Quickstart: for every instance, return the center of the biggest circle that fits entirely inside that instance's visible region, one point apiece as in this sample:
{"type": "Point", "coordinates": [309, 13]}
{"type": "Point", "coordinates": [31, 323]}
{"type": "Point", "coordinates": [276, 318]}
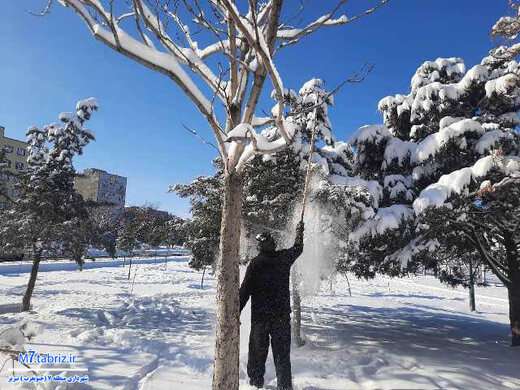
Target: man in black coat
{"type": "Point", "coordinates": [267, 282]}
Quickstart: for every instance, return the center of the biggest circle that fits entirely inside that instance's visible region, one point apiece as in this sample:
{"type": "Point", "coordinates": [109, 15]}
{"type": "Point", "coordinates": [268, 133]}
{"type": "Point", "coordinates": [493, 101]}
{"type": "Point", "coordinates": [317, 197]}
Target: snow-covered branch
{"type": "Point", "coordinates": [293, 35]}
{"type": "Point", "coordinates": [456, 182]}
{"type": "Point", "coordinates": [166, 63]}
{"type": "Point", "coordinates": [227, 76]}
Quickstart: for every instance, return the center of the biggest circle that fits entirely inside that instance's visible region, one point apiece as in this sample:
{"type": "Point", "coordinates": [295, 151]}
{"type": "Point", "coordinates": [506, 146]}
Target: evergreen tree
{"type": "Point", "coordinates": [175, 233]}
{"type": "Point", "coordinates": [43, 214]}
{"type": "Point", "coordinates": [268, 201]}
{"type": "Point", "coordinates": [202, 231]}
{"type": "Point", "coordinates": [106, 224]}
{"type": "Point", "coordinates": [127, 240]}
{"type": "Point", "coordinates": [455, 132]}
{"type": "Point", "coordinates": [5, 176]}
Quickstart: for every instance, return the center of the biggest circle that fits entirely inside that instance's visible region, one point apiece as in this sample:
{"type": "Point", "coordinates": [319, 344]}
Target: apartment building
{"type": "Point", "coordinates": [16, 155]}
{"type": "Point", "coordinates": [103, 187]}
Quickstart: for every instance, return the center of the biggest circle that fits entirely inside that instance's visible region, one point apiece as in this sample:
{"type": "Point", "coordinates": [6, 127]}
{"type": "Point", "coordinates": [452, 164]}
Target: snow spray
{"type": "Point", "coordinates": [320, 249]}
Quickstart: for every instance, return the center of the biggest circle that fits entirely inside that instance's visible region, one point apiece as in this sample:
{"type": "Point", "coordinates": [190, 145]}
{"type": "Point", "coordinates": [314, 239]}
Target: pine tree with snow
{"type": "Point", "coordinates": [106, 224]}
{"type": "Point", "coordinates": [449, 121]}
{"type": "Point", "coordinates": [273, 184]}
{"type": "Point", "coordinates": [175, 234]}
{"type": "Point", "coordinates": [127, 238]}
{"type": "Point", "coordinates": [455, 130]}
{"type": "Point", "coordinates": [48, 208]}
{"type": "Point", "coordinates": [4, 176]}
{"type": "Point", "coordinates": [202, 231]}
{"type": "Point", "coordinates": [269, 202]}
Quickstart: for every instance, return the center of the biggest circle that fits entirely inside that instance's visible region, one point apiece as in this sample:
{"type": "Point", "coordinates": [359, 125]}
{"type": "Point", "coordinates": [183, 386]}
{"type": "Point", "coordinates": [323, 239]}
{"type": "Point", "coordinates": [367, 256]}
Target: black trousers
{"type": "Point", "coordinates": [279, 330]}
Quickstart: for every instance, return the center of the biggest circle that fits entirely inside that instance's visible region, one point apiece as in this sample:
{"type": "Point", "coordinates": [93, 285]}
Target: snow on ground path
{"type": "Point", "coordinates": [410, 333]}
{"type": "Point", "coordinates": [120, 337]}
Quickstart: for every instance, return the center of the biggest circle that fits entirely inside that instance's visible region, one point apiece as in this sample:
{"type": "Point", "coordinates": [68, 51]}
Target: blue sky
{"type": "Point", "coordinates": [48, 63]}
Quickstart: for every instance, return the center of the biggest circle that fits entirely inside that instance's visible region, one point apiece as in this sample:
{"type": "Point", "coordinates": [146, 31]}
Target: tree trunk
{"type": "Point", "coordinates": [130, 268]}
{"type": "Point", "coordinates": [472, 305]}
{"type": "Point", "coordinates": [514, 313]}
{"type": "Point", "coordinates": [348, 285]}
{"type": "Point", "coordinates": [513, 289]}
{"type": "Point", "coordinates": [296, 309]}
{"type": "Point", "coordinates": [26, 302]}
{"type": "Point", "coordinates": [202, 279]}
{"type": "Point", "coordinates": [227, 345]}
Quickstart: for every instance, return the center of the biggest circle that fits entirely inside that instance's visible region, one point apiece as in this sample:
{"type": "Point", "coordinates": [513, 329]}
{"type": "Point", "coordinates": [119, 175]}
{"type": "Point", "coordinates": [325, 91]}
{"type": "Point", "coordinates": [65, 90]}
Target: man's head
{"type": "Point", "coordinates": [266, 242]}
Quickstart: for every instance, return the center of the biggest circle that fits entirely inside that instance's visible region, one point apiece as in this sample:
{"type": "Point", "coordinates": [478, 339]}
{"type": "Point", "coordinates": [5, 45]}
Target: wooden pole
{"type": "Point", "coordinates": [308, 175]}
{"type": "Point", "coordinates": [297, 308]}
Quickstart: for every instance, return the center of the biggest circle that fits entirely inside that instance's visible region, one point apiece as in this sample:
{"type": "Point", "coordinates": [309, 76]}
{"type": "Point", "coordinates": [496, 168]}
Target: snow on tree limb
{"type": "Point", "coordinates": [257, 40]}
{"type": "Point", "coordinates": [242, 47]}
{"type": "Point", "coordinates": [386, 218]}
{"type": "Point", "coordinates": [457, 182]}
{"type": "Point", "coordinates": [162, 62]}
{"type": "Point", "coordinates": [293, 35]}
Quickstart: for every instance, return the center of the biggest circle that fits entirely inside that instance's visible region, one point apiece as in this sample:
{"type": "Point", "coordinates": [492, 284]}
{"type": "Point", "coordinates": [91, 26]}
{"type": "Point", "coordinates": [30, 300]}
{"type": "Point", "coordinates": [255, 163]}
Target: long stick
{"type": "Point", "coordinates": [308, 174]}
{"type": "Point", "coordinates": [297, 308]}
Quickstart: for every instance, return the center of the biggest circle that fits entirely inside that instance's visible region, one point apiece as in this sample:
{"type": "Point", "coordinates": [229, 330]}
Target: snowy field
{"type": "Point", "coordinates": [391, 334]}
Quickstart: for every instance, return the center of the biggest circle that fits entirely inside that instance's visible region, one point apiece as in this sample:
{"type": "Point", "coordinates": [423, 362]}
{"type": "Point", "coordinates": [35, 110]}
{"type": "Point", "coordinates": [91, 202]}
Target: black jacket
{"type": "Point", "coordinates": [267, 282]}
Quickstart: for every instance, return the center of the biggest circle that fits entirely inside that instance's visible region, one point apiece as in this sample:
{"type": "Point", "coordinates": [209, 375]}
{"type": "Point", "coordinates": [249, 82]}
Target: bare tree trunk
{"type": "Point", "coordinates": [296, 309]}
{"type": "Point", "coordinates": [348, 284]}
{"type": "Point", "coordinates": [513, 288]}
{"type": "Point", "coordinates": [514, 313]}
{"type": "Point", "coordinates": [26, 302]}
{"type": "Point", "coordinates": [226, 367]}
{"type": "Point", "coordinates": [332, 279]}
{"type": "Point", "coordinates": [129, 268]}
{"type": "Point", "coordinates": [202, 279]}
{"type": "Point", "coordinates": [472, 305]}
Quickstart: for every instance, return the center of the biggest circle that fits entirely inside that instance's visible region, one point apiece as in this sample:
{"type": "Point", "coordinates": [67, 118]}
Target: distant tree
{"type": "Point", "coordinates": [175, 231]}
{"type": "Point", "coordinates": [127, 240]}
{"type": "Point", "coordinates": [47, 203]}
{"type": "Point", "coordinates": [106, 223]}
{"type": "Point", "coordinates": [5, 176]}
{"type": "Point", "coordinates": [78, 232]}
{"type": "Point", "coordinates": [202, 231]}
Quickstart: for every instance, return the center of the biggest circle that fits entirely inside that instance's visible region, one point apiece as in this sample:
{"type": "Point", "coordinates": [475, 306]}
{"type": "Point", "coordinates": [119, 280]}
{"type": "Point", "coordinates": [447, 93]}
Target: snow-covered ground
{"type": "Point", "coordinates": [410, 333]}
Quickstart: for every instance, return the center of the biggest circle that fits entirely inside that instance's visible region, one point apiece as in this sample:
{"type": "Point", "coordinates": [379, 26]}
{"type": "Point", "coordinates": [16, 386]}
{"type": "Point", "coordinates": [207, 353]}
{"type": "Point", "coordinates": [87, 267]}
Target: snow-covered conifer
{"type": "Point", "coordinates": [454, 131]}
{"type": "Point", "coordinates": [48, 211]}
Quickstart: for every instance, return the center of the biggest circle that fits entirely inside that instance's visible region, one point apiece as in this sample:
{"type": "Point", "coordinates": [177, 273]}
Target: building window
{"type": "Point", "coordinates": [8, 149]}
{"type": "Point", "coordinates": [19, 165]}
{"type": "Point", "coordinates": [20, 151]}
